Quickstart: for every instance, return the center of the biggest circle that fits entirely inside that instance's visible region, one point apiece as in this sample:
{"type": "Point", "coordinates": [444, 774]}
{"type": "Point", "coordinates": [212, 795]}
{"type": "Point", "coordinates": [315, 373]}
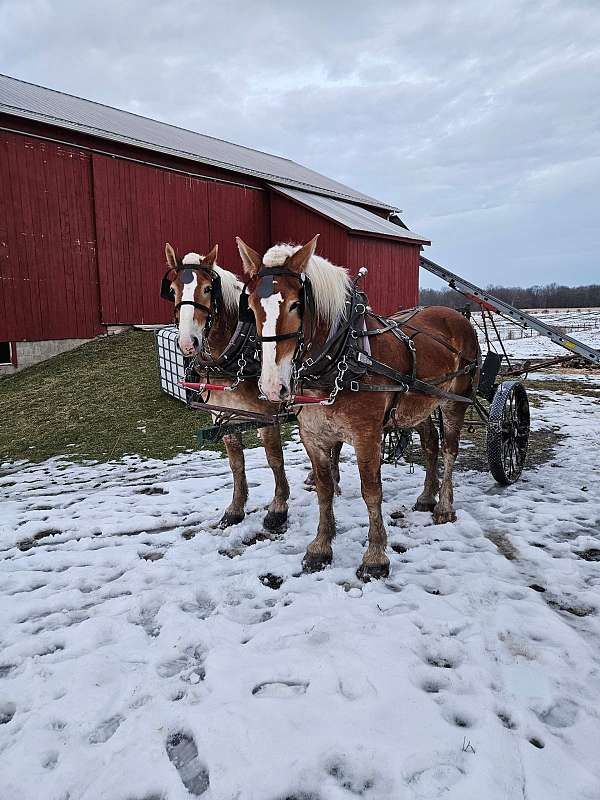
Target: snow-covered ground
{"type": "Point", "coordinates": [141, 652]}
{"type": "Point", "coordinates": [582, 325]}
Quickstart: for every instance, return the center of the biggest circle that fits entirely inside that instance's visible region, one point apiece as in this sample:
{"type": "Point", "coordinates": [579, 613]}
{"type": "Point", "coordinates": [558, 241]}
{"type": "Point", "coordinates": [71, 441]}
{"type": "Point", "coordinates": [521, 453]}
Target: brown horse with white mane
{"type": "Point", "coordinates": [301, 302]}
{"type": "Point", "coordinates": [194, 280]}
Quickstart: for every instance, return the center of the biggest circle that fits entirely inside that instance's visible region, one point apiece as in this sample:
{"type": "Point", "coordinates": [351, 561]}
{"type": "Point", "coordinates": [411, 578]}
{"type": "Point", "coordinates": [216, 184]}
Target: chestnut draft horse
{"type": "Point", "coordinates": [301, 302]}
{"type": "Point", "coordinates": [206, 312]}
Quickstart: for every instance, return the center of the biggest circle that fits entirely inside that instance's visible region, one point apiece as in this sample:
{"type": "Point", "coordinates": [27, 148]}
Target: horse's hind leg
{"type": "Point", "coordinates": [278, 508]}
{"type": "Point", "coordinates": [235, 452]}
{"type": "Point", "coordinates": [335, 466]}
{"type": "Point", "coordinates": [430, 445]}
{"type": "Point", "coordinates": [453, 415]}
{"type": "Point", "coordinates": [375, 563]}
{"type": "Point", "coordinates": [335, 470]}
{"type": "Point", "coordinates": [319, 552]}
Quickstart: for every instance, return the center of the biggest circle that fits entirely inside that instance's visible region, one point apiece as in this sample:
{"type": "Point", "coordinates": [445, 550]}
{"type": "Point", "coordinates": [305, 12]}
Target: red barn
{"type": "Point", "coordinates": [89, 193]}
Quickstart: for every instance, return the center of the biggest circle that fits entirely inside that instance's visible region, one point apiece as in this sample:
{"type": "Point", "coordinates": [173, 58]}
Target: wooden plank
{"type": "Point", "coordinates": [45, 184]}
{"type": "Point", "coordinates": [138, 209]}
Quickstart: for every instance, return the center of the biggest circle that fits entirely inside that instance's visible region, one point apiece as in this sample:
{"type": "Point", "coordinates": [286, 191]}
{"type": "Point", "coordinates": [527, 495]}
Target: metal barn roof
{"type": "Point", "coordinates": [29, 101]}
{"type": "Point", "coordinates": [354, 218]}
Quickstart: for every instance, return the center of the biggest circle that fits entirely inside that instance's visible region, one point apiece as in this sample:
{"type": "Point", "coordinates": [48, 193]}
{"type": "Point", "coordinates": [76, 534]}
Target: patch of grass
{"type": "Point", "coordinates": [569, 386]}
{"type": "Point", "coordinates": [101, 401]}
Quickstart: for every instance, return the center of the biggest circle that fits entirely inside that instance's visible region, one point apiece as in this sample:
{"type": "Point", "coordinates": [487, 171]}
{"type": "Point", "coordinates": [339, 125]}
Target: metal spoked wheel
{"type": "Point", "coordinates": [508, 432]}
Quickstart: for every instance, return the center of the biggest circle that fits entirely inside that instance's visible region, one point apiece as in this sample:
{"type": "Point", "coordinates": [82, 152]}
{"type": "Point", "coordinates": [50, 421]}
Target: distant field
{"type": "Point", "coordinates": [582, 324]}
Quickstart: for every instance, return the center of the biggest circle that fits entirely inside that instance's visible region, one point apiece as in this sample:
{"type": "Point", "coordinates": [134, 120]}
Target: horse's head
{"type": "Point", "coordinates": [196, 290]}
{"type": "Point", "coordinates": [276, 295]}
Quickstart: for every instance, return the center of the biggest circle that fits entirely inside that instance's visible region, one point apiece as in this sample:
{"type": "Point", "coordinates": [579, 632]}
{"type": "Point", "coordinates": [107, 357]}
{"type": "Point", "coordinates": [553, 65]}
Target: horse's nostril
{"type": "Point", "coordinates": [195, 342]}
{"type": "Point", "coordinates": [283, 392]}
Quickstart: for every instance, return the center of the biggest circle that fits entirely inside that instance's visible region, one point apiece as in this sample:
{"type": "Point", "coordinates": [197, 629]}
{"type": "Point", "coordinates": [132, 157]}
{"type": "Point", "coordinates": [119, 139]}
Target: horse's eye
{"type": "Point", "coordinates": [208, 290]}
{"type": "Point", "coordinates": [295, 306]}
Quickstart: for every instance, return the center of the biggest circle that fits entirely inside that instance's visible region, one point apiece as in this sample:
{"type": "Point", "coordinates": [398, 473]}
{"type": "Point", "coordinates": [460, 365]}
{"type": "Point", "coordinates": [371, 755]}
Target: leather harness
{"type": "Point", "coordinates": [241, 357]}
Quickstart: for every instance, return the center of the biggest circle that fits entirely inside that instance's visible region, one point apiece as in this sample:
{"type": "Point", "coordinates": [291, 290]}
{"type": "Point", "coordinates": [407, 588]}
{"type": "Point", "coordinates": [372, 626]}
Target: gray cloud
{"type": "Point", "coordinates": [481, 123]}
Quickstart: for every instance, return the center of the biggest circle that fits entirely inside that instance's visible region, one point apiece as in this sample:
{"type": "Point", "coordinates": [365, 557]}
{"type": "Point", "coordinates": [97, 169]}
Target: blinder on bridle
{"type": "Point", "coordinates": [262, 285]}
{"type": "Point", "coordinates": [187, 270]}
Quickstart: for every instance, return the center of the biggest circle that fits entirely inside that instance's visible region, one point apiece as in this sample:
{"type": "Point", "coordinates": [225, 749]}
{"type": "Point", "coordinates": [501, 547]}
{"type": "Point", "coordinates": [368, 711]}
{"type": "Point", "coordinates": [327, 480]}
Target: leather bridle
{"type": "Point", "coordinates": [187, 270]}
{"type": "Point", "coordinates": [262, 285]}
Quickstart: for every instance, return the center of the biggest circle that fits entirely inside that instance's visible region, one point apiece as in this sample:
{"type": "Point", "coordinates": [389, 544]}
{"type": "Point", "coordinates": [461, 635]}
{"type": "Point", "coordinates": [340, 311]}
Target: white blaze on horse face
{"type": "Point", "coordinates": [273, 375]}
{"type": "Point", "coordinates": [188, 327]}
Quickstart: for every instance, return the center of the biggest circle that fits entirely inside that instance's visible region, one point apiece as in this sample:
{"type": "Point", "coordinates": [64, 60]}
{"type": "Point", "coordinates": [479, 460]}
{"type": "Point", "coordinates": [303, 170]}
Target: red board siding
{"type": "Point", "coordinates": [293, 223]}
{"type": "Point", "coordinates": [139, 208]}
{"type": "Point", "coordinates": [236, 211]}
{"type": "Point", "coordinates": [48, 274]}
{"type": "Point", "coordinates": [393, 279]}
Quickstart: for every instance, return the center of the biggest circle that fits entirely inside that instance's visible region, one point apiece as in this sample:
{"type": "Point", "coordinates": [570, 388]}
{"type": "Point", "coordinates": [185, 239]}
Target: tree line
{"type": "Point", "coordinates": [550, 296]}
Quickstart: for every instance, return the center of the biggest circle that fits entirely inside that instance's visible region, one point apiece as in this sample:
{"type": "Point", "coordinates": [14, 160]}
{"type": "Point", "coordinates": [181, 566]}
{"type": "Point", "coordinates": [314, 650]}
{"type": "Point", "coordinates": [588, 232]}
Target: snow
{"type": "Point", "coordinates": [142, 653]}
{"type": "Point", "coordinates": [583, 325]}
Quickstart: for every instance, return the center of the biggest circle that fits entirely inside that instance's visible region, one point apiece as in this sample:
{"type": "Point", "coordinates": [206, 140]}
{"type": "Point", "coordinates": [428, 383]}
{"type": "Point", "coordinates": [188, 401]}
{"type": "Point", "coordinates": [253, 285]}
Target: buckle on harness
{"type": "Point", "coordinates": [354, 387]}
{"type": "Point", "coordinates": [363, 358]}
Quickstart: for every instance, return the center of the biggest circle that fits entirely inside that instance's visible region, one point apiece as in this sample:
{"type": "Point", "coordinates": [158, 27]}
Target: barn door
{"type": "Point", "coordinates": [138, 209]}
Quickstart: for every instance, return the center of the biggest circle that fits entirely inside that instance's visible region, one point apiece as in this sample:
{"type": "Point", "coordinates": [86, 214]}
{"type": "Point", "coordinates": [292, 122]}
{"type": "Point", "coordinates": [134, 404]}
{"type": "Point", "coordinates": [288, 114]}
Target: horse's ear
{"type": "Point", "coordinates": [211, 258]}
{"type": "Point", "coordinates": [299, 260]}
{"type": "Point", "coordinates": [250, 259]}
{"type": "Point", "coordinates": [171, 257]}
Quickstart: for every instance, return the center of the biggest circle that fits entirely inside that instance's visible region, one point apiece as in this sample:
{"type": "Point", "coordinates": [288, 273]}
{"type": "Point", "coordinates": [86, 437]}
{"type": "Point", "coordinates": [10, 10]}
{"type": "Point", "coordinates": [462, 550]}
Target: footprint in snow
{"type": "Point", "coordinates": [183, 754]}
{"type": "Point", "coordinates": [105, 730]}
{"type": "Point", "coordinates": [189, 665]}
{"type": "Point", "coordinates": [347, 778]}
{"type": "Point", "coordinates": [434, 781]}
{"type": "Point", "coordinates": [50, 760]}
{"type": "Point", "coordinates": [280, 689]}
{"type": "Point", "coordinates": [506, 720]}
{"type": "Point", "coordinates": [202, 606]}
{"type": "Point", "coordinates": [561, 714]}
{"type": "Point", "coordinates": [7, 712]}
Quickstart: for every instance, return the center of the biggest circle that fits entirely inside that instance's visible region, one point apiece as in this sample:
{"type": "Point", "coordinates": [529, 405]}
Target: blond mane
{"type": "Point", "coordinates": [330, 284]}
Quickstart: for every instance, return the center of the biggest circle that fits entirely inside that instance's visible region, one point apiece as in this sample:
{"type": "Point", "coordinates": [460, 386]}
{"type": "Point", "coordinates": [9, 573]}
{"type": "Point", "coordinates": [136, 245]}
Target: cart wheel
{"type": "Point", "coordinates": [508, 432]}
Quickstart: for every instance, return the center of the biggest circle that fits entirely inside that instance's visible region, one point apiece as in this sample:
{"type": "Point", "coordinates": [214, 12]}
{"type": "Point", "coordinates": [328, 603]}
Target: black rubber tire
{"type": "Point", "coordinates": [507, 434]}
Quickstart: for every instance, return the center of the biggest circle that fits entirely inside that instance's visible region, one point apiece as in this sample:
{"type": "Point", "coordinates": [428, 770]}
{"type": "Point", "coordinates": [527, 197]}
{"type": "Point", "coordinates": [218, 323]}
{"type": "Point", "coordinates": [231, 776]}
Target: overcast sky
{"type": "Point", "coordinates": [481, 121]}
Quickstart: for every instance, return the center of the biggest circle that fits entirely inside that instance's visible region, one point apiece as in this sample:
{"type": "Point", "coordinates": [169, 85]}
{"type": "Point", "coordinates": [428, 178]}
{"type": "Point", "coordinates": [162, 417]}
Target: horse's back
{"type": "Point", "coordinates": [444, 322]}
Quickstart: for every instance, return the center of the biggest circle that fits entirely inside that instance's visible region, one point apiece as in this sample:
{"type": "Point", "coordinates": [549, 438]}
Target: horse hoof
{"type": "Point", "coordinates": [372, 572]}
{"type": "Point", "coordinates": [441, 517]}
{"type": "Point", "coordinates": [422, 505]}
{"type": "Point", "coordinates": [229, 518]}
{"type": "Point", "coordinates": [275, 520]}
{"type": "Point", "coordinates": [312, 563]}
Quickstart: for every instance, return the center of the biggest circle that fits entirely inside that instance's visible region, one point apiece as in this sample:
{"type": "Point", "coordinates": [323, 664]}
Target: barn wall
{"type": "Point", "coordinates": [82, 236]}
{"type": "Point", "coordinates": [139, 208]}
{"type": "Point", "coordinates": [237, 211]}
{"type": "Point", "coordinates": [48, 277]}
{"type": "Point", "coordinates": [393, 279]}
{"type": "Point", "coordinates": [293, 223]}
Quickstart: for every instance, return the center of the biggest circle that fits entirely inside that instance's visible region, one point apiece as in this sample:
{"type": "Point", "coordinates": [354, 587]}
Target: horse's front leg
{"type": "Point", "coordinates": [453, 415]}
{"type": "Point", "coordinates": [278, 508]}
{"type": "Point", "coordinates": [319, 552]}
{"type": "Point", "coordinates": [375, 563]}
{"type": "Point", "coordinates": [235, 451]}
